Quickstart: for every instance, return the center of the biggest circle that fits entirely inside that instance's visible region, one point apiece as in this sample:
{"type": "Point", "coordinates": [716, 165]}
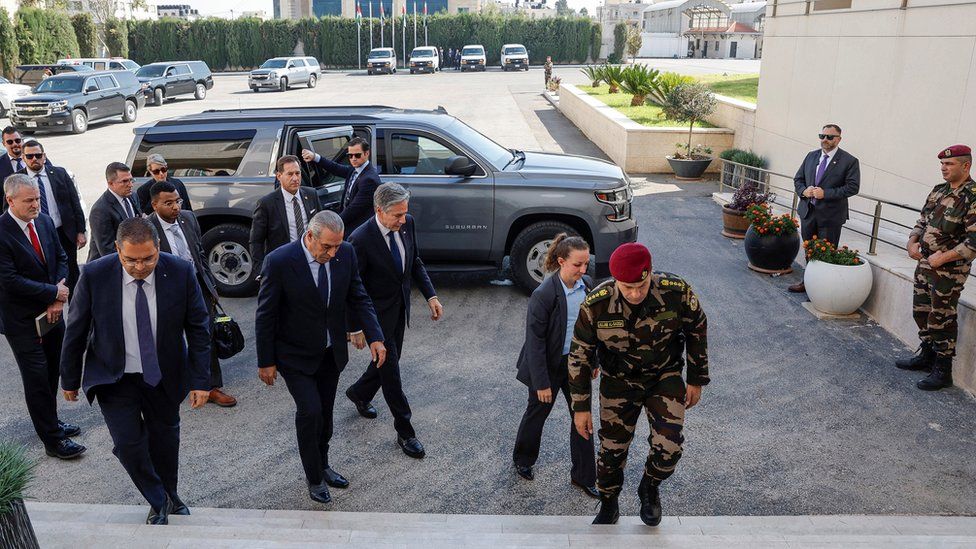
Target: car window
{"type": "Point", "coordinates": [312, 62]}
{"type": "Point", "coordinates": [130, 65]}
{"type": "Point", "coordinates": [182, 69]}
{"type": "Point", "coordinates": [115, 66]}
{"type": "Point", "coordinates": [419, 154]}
{"type": "Point", "coordinates": [151, 71]}
{"type": "Point", "coordinates": [196, 154]}
{"type": "Point", "coordinates": [98, 65]}
{"type": "Point", "coordinates": [273, 64]}
{"type": "Point", "coordinates": [105, 82]}
{"type": "Point", "coordinates": [91, 83]}
{"type": "Point", "coordinates": [300, 63]}
{"type": "Point", "coordinates": [473, 51]}
{"type": "Point", "coordinates": [60, 85]}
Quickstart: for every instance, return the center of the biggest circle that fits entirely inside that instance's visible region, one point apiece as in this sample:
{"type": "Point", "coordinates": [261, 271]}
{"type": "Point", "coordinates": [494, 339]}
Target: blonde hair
{"type": "Point", "coordinates": [560, 248]}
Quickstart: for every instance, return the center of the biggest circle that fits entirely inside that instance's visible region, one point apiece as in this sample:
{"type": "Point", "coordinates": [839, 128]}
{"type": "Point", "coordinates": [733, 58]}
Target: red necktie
{"type": "Point", "coordinates": [35, 242]}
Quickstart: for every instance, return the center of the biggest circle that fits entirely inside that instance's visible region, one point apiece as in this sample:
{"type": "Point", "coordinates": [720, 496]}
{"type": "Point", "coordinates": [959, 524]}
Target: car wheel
{"type": "Point", "coordinates": [283, 84]}
{"type": "Point", "coordinates": [412, 71]}
{"type": "Point", "coordinates": [3, 112]}
{"type": "Point", "coordinates": [79, 121]}
{"type": "Point", "coordinates": [201, 92]}
{"type": "Point", "coordinates": [229, 259]}
{"type": "Point", "coordinates": [129, 112]}
{"type": "Point", "coordinates": [369, 72]}
{"type": "Point", "coordinates": [312, 81]}
{"type": "Point", "coordinates": [158, 96]}
{"type": "Point", "coordinates": [529, 252]}
{"type": "Point", "coordinates": [255, 90]}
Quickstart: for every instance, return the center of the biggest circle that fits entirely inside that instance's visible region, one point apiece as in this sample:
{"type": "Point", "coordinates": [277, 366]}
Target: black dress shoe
{"type": "Point", "coordinates": [69, 430]}
{"type": "Point", "coordinates": [320, 493]}
{"type": "Point", "coordinates": [412, 447]}
{"type": "Point", "coordinates": [334, 479]}
{"type": "Point", "coordinates": [179, 508]}
{"type": "Point", "coordinates": [160, 516]}
{"type": "Point", "coordinates": [524, 472]}
{"type": "Point", "coordinates": [364, 408]}
{"type": "Point", "coordinates": [65, 449]}
{"type": "Point", "coordinates": [588, 490]}
{"type": "Point", "coordinates": [609, 512]}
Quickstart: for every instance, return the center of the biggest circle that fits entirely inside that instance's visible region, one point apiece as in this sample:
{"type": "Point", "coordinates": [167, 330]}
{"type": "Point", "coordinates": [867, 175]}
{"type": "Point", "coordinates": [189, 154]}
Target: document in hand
{"type": "Point", "coordinates": [43, 326]}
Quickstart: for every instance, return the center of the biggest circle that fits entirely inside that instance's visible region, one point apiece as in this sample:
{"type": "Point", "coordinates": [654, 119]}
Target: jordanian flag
{"type": "Point", "coordinates": [382, 15]}
{"type": "Point", "coordinates": [359, 15]}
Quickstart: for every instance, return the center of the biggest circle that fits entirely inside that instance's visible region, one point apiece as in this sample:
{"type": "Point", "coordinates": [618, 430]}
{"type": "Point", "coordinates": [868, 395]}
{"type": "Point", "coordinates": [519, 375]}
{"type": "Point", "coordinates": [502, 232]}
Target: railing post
{"type": "Point", "coordinates": [874, 229]}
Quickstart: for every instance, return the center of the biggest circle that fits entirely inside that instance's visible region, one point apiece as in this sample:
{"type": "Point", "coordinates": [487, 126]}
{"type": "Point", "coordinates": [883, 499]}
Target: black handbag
{"type": "Point", "coordinates": [228, 339]}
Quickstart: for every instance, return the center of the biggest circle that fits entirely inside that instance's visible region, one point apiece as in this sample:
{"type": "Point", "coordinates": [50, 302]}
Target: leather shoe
{"type": "Point", "coordinates": [160, 516]}
{"type": "Point", "coordinates": [320, 493]}
{"type": "Point", "coordinates": [412, 447]}
{"type": "Point", "coordinates": [365, 408]}
{"type": "Point", "coordinates": [798, 288]}
{"type": "Point", "coordinates": [65, 449]}
{"type": "Point", "coordinates": [334, 479]}
{"type": "Point", "coordinates": [179, 508]}
{"type": "Point", "coordinates": [524, 472]}
{"type": "Point", "coordinates": [68, 429]}
{"type": "Point", "coordinates": [588, 490]}
{"type": "Point", "coordinates": [222, 399]}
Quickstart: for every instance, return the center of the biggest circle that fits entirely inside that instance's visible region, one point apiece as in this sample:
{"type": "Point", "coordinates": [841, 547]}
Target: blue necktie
{"type": "Point", "coordinates": [128, 209]}
{"type": "Point", "coordinates": [20, 164]}
{"type": "Point", "coordinates": [40, 187]}
{"type": "Point", "coordinates": [395, 250]}
{"type": "Point", "coordinates": [324, 284]}
{"type": "Point", "coordinates": [147, 343]}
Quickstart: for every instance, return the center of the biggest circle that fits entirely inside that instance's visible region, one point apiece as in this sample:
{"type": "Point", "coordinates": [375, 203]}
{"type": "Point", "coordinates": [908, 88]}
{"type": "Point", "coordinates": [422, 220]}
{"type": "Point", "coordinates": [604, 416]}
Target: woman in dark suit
{"type": "Point", "coordinates": [553, 309]}
{"type": "Point", "coordinates": [158, 169]}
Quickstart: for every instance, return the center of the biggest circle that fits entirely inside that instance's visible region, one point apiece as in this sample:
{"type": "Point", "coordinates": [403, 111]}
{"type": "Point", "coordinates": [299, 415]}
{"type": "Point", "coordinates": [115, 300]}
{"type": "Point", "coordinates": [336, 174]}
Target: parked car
{"type": "Point", "coordinates": [473, 58]}
{"type": "Point", "coordinates": [514, 57]}
{"type": "Point", "coordinates": [475, 201]}
{"type": "Point", "coordinates": [281, 72]}
{"type": "Point", "coordinates": [10, 91]}
{"type": "Point", "coordinates": [424, 59]}
{"type": "Point", "coordinates": [169, 79]}
{"type": "Point", "coordinates": [70, 101]}
{"type": "Point", "coordinates": [31, 75]}
{"type": "Point", "coordinates": [381, 60]}
{"type": "Point", "coordinates": [103, 63]}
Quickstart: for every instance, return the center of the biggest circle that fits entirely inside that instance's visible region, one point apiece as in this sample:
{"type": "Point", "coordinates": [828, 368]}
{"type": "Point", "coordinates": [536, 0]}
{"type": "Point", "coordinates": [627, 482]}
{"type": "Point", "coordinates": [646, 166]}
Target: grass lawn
{"type": "Point", "coordinates": [647, 115]}
{"type": "Point", "coordinates": [738, 86]}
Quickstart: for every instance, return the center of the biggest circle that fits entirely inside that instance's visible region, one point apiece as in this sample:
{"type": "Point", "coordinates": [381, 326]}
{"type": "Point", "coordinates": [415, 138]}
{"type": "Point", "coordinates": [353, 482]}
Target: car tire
{"type": "Point", "coordinates": [412, 71]}
{"type": "Point", "coordinates": [3, 112]}
{"type": "Point", "coordinates": [158, 96]}
{"type": "Point", "coordinates": [369, 72]}
{"type": "Point", "coordinates": [283, 84]}
{"type": "Point", "coordinates": [255, 90]}
{"type": "Point", "coordinates": [229, 259]}
{"type": "Point", "coordinates": [201, 91]}
{"type": "Point", "coordinates": [529, 251]}
{"type": "Point", "coordinates": [312, 81]}
{"type": "Point", "coordinates": [79, 121]}
{"type": "Point", "coordinates": [130, 111]}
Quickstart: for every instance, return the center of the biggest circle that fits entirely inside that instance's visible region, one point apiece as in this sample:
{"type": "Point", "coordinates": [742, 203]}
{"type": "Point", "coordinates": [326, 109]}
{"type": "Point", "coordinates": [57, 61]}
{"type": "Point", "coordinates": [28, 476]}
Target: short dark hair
{"type": "Point", "coordinates": [358, 141]}
{"type": "Point", "coordinates": [136, 230]}
{"type": "Point", "coordinates": [33, 143]}
{"type": "Point", "coordinates": [161, 187]}
{"type": "Point", "coordinates": [287, 159]}
{"type": "Point", "coordinates": [9, 130]}
{"type": "Point", "coordinates": [113, 169]}
{"type": "Point", "coordinates": [834, 126]}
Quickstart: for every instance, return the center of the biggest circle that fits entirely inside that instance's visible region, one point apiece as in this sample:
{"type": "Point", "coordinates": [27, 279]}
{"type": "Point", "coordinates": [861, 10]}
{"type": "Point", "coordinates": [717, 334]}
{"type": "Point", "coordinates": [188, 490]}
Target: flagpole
{"type": "Point", "coordinates": [415, 23]}
{"type": "Point", "coordinates": [359, 37]}
{"type": "Point", "coordinates": [370, 24]}
{"type": "Point", "coordinates": [403, 33]}
{"type": "Point", "coordinates": [425, 22]}
{"type": "Point", "coordinates": [382, 25]}
{"type": "Point", "coordinates": [393, 30]}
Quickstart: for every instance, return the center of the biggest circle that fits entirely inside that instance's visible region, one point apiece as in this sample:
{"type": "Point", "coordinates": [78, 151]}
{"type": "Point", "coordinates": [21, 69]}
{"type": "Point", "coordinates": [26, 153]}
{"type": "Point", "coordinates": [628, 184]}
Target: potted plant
{"type": "Point", "coordinates": [838, 281]}
{"type": "Point", "coordinates": [689, 103]}
{"type": "Point", "coordinates": [554, 84]}
{"type": "Point", "coordinates": [16, 471]}
{"type": "Point", "coordinates": [734, 221]}
{"type": "Point", "coordinates": [771, 241]}
{"type": "Point", "coordinates": [638, 81]}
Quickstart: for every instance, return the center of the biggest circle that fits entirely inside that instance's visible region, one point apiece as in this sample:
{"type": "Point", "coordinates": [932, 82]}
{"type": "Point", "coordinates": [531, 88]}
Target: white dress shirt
{"type": "Point", "coordinates": [290, 212]}
{"type": "Point", "coordinates": [23, 227]}
{"type": "Point", "coordinates": [386, 238]}
{"type": "Point", "coordinates": [168, 235]}
{"type": "Point", "coordinates": [52, 204]}
{"type": "Point", "coordinates": [313, 266]}
{"type": "Point", "coordinates": [136, 212]}
{"type": "Point", "coordinates": [130, 329]}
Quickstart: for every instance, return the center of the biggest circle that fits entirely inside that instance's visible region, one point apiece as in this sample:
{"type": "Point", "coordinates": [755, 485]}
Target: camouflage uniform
{"type": "Point", "coordinates": [947, 223]}
{"type": "Point", "coordinates": [548, 71]}
{"type": "Point", "coordinates": [639, 349]}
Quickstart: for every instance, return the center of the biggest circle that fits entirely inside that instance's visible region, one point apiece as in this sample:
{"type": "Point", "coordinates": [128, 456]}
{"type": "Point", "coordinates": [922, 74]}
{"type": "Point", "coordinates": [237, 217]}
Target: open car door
{"type": "Point", "coordinates": [329, 143]}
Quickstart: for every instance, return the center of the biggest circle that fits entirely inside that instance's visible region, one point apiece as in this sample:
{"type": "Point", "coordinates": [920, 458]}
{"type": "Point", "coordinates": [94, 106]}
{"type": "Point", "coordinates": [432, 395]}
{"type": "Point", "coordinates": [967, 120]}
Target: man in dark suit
{"type": "Point", "coordinates": [282, 215]}
{"type": "Point", "coordinates": [307, 289]}
{"type": "Point", "coordinates": [159, 171]}
{"type": "Point", "coordinates": [60, 201]}
{"type": "Point", "coordinates": [824, 182]}
{"type": "Point", "coordinates": [112, 208]}
{"type": "Point", "coordinates": [386, 249]}
{"type": "Point", "coordinates": [361, 181]}
{"type": "Point", "coordinates": [33, 268]}
{"type": "Point", "coordinates": [179, 234]}
{"type": "Point", "coordinates": [12, 161]}
{"type": "Point", "coordinates": [128, 320]}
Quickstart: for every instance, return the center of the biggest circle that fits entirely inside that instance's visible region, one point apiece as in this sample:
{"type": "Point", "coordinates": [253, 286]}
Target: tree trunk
{"type": "Point", "coordinates": [16, 531]}
{"type": "Point", "coordinates": [637, 100]}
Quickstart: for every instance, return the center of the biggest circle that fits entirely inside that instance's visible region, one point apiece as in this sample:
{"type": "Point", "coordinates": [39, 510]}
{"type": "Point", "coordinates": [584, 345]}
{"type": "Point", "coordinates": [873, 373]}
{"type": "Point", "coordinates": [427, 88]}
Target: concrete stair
{"type": "Point", "coordinates": [122, 526]}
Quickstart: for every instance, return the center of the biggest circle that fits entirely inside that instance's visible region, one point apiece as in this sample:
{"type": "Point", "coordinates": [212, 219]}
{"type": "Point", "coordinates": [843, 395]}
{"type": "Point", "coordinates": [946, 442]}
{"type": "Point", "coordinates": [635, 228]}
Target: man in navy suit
{"type": "Point", "coordinates": [361, 181]}
{"type": "Point", "coordinates": [33, 268]}
{"type": "Point", "coordinates": [282, 215]}
{"type": "Point", "coordinates": [128, 320]}
{"type": "Point", "coordinates": [824, 182]}
{"type": "Point", "coordinates": [307, 289]}
{"type": "Point", "coordinates": [386, 249]}
{"type": "Point", "coordinates": [115, 205]}
{"type": "Point", "coordinates": [12, 161]}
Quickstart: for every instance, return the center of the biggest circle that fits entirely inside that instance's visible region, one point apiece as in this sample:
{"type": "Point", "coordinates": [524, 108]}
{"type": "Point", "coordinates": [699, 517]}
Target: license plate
{"type": "Point", "coordinates": [30, 124]}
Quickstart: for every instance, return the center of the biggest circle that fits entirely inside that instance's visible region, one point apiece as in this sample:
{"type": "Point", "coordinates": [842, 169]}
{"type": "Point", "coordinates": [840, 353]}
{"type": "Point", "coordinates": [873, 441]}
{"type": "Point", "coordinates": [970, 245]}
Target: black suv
{"type": "Point", "coordinates": [171, 78]}
{"type": "Point", "coordinates": [70, 101]}
{"type": "Point", "coordinates": [32, 75]}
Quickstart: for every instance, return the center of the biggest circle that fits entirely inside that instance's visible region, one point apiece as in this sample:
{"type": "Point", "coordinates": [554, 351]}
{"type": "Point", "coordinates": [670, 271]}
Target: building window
{"type": "Point", "coordinates": [821, 5]}
{"type": "Point", "coordinates": [322, 8]}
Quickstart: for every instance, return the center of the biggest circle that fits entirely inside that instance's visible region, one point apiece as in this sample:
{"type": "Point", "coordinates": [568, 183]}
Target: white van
{"type": "Point", "coordinates": [514, 57]}
{"type": "Point", "coordinates": [424, 59]}
{"type": "Point", "coordinates": [103, 63]}
{"type": "Point", "coordinates": [381, 60]}
{"type": "Point", "coordinates": [473, 58]}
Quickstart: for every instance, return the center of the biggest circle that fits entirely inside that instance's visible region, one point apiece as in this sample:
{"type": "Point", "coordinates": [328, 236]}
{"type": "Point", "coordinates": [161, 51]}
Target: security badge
{"type": "Point", "coordinates": [693, 302]}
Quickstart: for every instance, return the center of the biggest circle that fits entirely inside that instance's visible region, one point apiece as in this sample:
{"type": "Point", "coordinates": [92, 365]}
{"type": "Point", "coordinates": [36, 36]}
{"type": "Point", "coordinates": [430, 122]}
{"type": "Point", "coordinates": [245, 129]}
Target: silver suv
{"type": "Point", "coordinates": [281, 72]}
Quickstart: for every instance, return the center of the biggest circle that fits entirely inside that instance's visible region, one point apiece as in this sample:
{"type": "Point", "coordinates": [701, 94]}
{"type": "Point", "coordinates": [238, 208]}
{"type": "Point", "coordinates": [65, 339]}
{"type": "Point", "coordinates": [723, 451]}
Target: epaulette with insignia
{"type": "Point", "coordinates": [599, 293]}
{"type": "Point", "coordinates": [671, 281]}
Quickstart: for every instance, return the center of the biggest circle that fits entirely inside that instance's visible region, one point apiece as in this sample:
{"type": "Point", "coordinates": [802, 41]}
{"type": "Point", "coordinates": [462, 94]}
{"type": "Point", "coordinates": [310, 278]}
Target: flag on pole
{"type": "Point", "coordinates": [382, 25]}
{"type": "Point", "coordinates": [359, 14]}
{"type": "Point", "coordinates": [425, 14]}
{"type": "Point", "coordinates": [382, 15]}
{"type": "Point", "coordinates": [403, 14]}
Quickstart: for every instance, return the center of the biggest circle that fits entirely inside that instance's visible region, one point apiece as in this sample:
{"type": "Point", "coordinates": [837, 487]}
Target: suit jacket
{"type": "Point", "coordinates": [388, 288]}
{"type": "Point", "coordinates": [539, 363]}
{"type": "Point", "coordinates": [358, 205]}
{"type": "Point", "coordinates": [105, 216]}
{"type": "Point", "coordinates": [269, 225]}
{"type": "Point", "coordinates": [145, 200]}
{"type": "Point", "coordinates": [94, 331]}
{"type": "Point", "coordinates": [28, 286]}
{"type": "Point", "coordinates": [194, 240]}
{"type": "Point", "coordinates": [841, 180]}
{"type": "Point", "coordinates": [65, 196]}
{"type": "Point", "coordinates": [5, 170]}
{"type": "Point", "coordinates": [291, 319]}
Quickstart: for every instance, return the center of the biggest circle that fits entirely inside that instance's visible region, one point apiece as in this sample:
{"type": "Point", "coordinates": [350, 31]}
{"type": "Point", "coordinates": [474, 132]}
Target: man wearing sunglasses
{"type": "Point", "coordinates": [824, 182]}
{"type": "Point", "coordinates": [159, 170]}
{"type": "Point", "coordinates": [12, 161]}
{"type": "Point", "coordinates": [361, 181]}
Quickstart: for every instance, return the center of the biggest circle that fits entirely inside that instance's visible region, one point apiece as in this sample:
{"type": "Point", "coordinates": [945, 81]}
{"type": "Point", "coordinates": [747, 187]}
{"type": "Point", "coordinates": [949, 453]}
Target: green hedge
{"type": "Point", "coordinates": [619, 42]}
{"type": "Point", "coordinates": [9, 50]}
{"type": "Point", "coordinates": [117, 37]}
{"type": "Point", "coordinates": [86, 33]}
{"type": "Point", "coordinates": [44, 36]}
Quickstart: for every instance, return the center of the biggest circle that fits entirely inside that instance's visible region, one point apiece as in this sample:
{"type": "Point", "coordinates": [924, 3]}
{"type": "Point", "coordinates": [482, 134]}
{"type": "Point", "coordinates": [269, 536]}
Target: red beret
{"type": "Point", "coordinates": [955, 150]}
{"type": "Point", "coordinates": [630, 263]}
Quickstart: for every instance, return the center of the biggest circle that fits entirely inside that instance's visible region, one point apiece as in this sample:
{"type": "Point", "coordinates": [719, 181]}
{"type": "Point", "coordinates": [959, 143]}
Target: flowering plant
{"type": "Point", "coordinates": [746, 195]}
{"type": "Point", "coordinates": [767, 224]}
{"type": "Point", "coordinates": [697, 152]}
{"type": "Point", "coordinates": [821, 250]}
{"type": "Point", "coordinates": [554, 84]}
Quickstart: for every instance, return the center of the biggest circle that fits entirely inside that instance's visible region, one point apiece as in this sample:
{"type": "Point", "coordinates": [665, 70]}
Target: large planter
{"type": "Point", "coordinates": [734, 223]}
{"type": "Point", "coordinates": [16, 531]}
{"type": "Point", "coordinates": [688, 169]}
{"type": "Point", "coordinates": [837, 289]}
{"type": "Point", "coordinates": [771, 254]}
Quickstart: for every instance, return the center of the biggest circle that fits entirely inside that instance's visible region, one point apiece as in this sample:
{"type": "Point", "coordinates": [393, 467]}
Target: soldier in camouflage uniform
{"type": "Point", "coordinates": [944, 243]}
{"type": "Point", "coordinates": [548, 70]}
{"type": "Point", "coordinates": [637, 328]}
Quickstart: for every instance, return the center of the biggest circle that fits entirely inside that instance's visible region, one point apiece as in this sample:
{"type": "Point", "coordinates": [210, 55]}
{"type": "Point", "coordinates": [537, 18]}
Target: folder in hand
{"type": "Point", "coordinates": [42, 324]}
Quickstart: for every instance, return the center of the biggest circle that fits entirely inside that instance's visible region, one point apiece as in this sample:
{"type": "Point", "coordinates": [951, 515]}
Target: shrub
{"type": "Point", "coordinates": [16, 471]}
{"type": "Point", "coordinates": [612, 75]}
{"type": "Point", "coordinates": [638, 81]}
{"type": "Point", "coordinates": [86, 33]}
{"type": "Point", "coordinates": [619, 42]}
{"type": "Point", "coordinates": [44, 36]}
{"type": "Point", "coordinates": [748, 158]}
{"type": "Point", "coordinates": [634, 41]}
{"type": "Point", "coordinates": [594, 74]}
{"type": "Point", "coordinates": [596, 37]}
{"type": "Point", "coordinates": [689, 103]}
{"type": "Point", "coordinates": [821, 250]}
{"type": "Point", "coordinates": [9, 50]}
{"type": "Point", "coordinates": [665, 84]}
{"type": "Point", "coordinates": [117, 37]}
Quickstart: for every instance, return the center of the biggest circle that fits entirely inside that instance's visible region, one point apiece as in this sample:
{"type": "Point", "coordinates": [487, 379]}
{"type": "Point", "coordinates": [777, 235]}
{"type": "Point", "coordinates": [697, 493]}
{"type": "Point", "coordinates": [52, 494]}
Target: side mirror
{"type": "Point", "coordinates": [90, 89]}
{"type": "Point", "coordinates": [460, 165]}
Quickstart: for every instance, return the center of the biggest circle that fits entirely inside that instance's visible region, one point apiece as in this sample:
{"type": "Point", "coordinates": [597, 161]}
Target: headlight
{"type": "Point", "coordinates": [59, 106]}
{"type": "Point", "coordinates": [508, 60]}
{"type": "Point", "coordinates": [619, 199]}
{"type": "Point", "coordinates": [481, 61]}
{"type": "Point", "coordinates": [272, 74]}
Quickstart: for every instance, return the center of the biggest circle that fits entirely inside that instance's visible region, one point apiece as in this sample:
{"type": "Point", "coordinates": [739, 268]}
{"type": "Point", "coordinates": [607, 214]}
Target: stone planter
{"type": "Point", "coordinates": [16, 531]}
{"type": "Point", "coordinates": [837, 289]}
{"type": "Point", "coordinates": [771, 254]}
{"type": "Point", "coordinates": [734, 223]}
{"type": "Point", "coordinates": [688, 169]}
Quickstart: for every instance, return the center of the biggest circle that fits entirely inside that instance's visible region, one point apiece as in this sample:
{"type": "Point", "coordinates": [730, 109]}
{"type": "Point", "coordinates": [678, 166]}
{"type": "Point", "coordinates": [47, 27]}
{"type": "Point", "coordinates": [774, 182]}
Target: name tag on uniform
{"type": "Point", "coordinates": [609, 324]}
{"type": "Point", "coordinates": [667, 315]}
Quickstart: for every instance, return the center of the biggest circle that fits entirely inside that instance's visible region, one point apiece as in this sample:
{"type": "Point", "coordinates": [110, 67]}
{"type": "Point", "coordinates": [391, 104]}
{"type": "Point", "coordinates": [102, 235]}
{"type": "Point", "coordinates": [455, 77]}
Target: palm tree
{"type": "Point", "coordinates": [612, 74]}
{"type": "Point", "coordinates": [593, 73]}
{"type": "Point", "coordinates": [638, 81]}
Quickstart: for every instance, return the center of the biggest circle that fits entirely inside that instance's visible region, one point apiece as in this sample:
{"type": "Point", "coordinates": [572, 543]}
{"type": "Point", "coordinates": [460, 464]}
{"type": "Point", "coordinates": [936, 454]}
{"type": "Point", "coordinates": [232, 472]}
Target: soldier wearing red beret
{"type": "Point", "coordinates": [644, 325]}
{"type": "Point", "coordinates": [944, 244]}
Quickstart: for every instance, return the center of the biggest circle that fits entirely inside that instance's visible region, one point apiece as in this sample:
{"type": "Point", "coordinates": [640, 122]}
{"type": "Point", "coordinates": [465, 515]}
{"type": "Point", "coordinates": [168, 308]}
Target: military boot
{"type": "Point", "coordinates": [941, 376]}
{"type": "Point", "coordinates": [919, 361]}
{"type": "Point", "coordinates": [650, 501]}
{"type": "Point", "coordinates": [609, 511]}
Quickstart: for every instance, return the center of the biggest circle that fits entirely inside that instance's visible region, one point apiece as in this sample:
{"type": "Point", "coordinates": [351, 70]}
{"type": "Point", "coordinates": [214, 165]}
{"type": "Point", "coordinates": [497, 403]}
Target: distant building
{"type": "Point", "coordinates": [534, 10]}
{"type": "Point", "coordinates": [257, 14]}
{"type": "Point", "coordinates": [178, 11]}
{"type": "Point", "coordinates": [124, 9]}
{"type": "Point", "coordinates": [296, 9]}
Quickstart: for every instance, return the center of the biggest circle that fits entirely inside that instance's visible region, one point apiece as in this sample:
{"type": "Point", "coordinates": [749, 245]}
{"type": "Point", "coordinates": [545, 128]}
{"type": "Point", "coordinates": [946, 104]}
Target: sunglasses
{"type": "Point", "coordinates": [355, 155]}
{"type": "Point", "coordinates": [158, 171]}
{"type": "Point", "coordinates": [12, 141]}
{"type": "Point", "coordinates": [828, 137]}
{"type": "Point", "coordinates": [32, 156]}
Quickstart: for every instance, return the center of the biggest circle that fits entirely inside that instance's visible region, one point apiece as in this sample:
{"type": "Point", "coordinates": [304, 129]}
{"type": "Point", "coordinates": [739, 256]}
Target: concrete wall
{"type": "Point", "coordinates": [737, 115]}
{"type": "Point", "coordinates": [663, 44]}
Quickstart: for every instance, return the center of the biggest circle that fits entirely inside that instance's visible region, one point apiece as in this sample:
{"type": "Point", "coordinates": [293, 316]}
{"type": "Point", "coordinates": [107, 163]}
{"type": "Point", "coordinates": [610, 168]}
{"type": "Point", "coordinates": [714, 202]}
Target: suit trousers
{"type": "Point", "coordinates": [70, 245]}
{"type": "Point", "coordinates": [144, 423]}
{"type": "Point", "coordinates": [216, 375]}
{"type": "Point", "coordinates": [810, 227]}
{"type": "Point", "coordinates": [388, 379]}
{"type": "Point", "coordinates": [39, 362]}
{"type": "Point", "coordinates": [529, 437]}
{"type": "Point", "coordinates": [314, 396]}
